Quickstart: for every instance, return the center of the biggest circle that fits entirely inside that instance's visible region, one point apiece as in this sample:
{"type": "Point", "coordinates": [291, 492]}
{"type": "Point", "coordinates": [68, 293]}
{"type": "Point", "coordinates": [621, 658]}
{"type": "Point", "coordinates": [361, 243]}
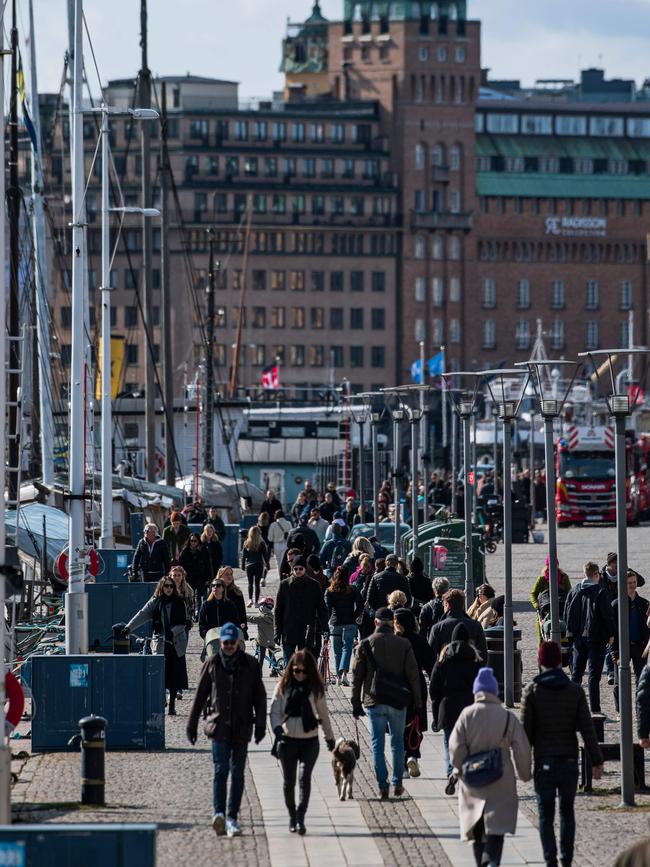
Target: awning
{"type": "Point", "coordinates": [546, 186]}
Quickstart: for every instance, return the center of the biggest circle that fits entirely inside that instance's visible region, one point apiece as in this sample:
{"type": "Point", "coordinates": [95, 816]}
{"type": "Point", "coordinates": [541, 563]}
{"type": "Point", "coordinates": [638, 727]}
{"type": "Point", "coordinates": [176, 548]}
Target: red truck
{"type": "Point", "coordinates": [586, 476]}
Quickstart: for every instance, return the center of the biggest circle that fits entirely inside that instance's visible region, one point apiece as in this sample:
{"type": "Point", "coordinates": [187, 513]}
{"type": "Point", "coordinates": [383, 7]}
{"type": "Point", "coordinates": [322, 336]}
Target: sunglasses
{"type": "Point", "coordinates": [299, 568]}
{"type": "Point", "coordinates": [167, 586]}
{"type": "Point", "coordinates": [298, 670]}
{"type": "Point", "coordinates": [194, 541]}
{"type": "Point", "coordinates": [223, 586]}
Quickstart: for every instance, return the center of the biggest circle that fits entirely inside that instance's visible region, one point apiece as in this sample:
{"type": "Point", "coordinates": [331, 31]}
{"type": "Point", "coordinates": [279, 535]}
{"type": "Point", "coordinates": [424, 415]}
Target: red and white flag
{"type": "Point", "coordinates": [271, 377]}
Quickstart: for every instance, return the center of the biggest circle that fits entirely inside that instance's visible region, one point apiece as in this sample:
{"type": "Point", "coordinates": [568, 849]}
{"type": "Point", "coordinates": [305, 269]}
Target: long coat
{"type": "Point", "coordinates": [481, 727]}
{"type": "Point", "coordinates": [151, 610]}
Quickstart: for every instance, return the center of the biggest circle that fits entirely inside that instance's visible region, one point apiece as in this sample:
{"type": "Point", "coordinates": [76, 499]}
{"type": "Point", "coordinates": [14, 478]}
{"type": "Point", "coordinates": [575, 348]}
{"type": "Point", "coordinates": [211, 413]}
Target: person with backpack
{"type": "Point", "coordinates": [434, 610]}
{"type": "Point", "coordinates": [541, 584]}
{"type": "Point", "coordinates": [590, 628]}
{"type": "Point", "coordinates": [382, 584]}
{"type": "Point", "coordinates": [231, 687]}
{"type": "Point", "coordinates": [479, 747]}
{"type": "Point", "coordinates": [385, 681]}
{"type": "Point", "coordinates": [334, 552]}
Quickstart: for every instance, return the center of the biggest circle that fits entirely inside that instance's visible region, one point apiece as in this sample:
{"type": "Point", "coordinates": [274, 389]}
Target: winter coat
{"type": "Point", "coordinates": [642, 608]}
{"type": "Point", "coordinates": [343, 609]}
{"type": "Point", "coordinates": [312, 543]}
{"type": "Point", "coordinates": [219, 526]}
{"type": "Point", "coordinates": [451, 683]}
{"type": "Point", "coordinates": [392, 654]}
{"type": "Point", "coordinates": [176, 541]}
{"type": "Point", "coordinates": [553, 710]}
{"type": "Point", "coordinates": [279, 531]}
{"type": "Point", "coordinates": [265, 628]}
{"type": "Point", "coordinates": [255, 558]}
{"type": "Point", "coordinates": [299, 611]}
{"type": "Point", "coordinates": [234, 595]}
{"type": "Point", "coordinates": [612, 586]}
{"type": "Point", "coordinates": [383, 584]}
{"type": "Point", "coordinates": [643, 703]}
{"type": "Point", "coordinates": [187, 595]}
{"type": "Point", "coordinates": [441, 634]}
{"type": "Point", "coordinates": [237, 701]}
{"type": "Point", "coordinates": [216, 612]}
{"type": "Point", "coordinates": [196, 565]}
{"type": "Point", "coordinates": [588, 613]}
{"type": "Point", "coordinates": [430, 614]}
{"type": "Point", "coordinates": [480, 727]}
{"type": "Point", "coordinates": [292, 726]}
{"type": "Point", "coordinates": [542, 584]}
{"type": "Point", "coordinates": [151, 560]}
{"type": "Point", "coordinates": [271, 507]}
{"type": "Point", "coordinates": [420, 587]}
{"type": "Point", "coordinates": [214, 555]}
{"type": "Point", "coordinates": [152, 611]}
{"type": "Point", "coordinates": [425, 659]}
{"type": "Point", "coordinates": [319, 527]}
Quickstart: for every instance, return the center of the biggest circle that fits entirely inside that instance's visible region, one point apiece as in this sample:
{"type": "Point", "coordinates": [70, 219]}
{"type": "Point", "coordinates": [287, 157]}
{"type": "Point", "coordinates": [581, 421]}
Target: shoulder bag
{"type": "Point", "coordinates": [481, 769]}
{"type": "Point", "coordinates": [385, 687]}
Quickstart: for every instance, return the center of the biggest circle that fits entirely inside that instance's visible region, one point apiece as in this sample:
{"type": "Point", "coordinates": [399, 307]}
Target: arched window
{"type": "Point", "coordinates": [433, 12]}
{"type": "Point", "coordinates": [452, 14]}
{"type": "Point", "coordinates": [454, 247]}
{"type": "Point", "coordinates": [455, 158]}
{"type": "Point", "coordinates": [438, 155]}
{"type": "Point", "coordinates": [419, 157]}
{"type": "Point", "coordinates": [357, 12]}
{"type": "Point", "coordinates": [420, 246]}
{"type": "Point", "coordinates": [438, 248]}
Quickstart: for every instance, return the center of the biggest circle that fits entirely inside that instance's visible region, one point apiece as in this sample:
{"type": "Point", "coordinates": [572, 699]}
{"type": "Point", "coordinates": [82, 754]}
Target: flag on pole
{"type": "Point", "coordinates": [416, 372]}
{"type": "Point", "coordinates": [436, 365]}
{"type": "Point", "coordinates": [271, 377]}
{"type": "Point", "coordinates": [29, 126]}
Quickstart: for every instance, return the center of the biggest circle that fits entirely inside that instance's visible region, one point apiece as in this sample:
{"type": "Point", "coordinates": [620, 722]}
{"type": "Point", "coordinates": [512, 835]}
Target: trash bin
{"type": "Point", "coordinates": [494, 638]}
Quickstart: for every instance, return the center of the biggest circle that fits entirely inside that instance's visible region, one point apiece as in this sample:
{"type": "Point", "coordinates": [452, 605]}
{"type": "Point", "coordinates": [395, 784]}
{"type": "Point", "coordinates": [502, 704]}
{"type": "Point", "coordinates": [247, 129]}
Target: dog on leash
{"type": "Point", "coordinates": [344, 760]}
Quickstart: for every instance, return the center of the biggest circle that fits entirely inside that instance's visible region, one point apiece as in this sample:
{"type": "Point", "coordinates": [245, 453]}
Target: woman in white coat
{"type": "Point", "coordinates": [489, 812]}
{"type": "Point", "coordinates": [278, 533]}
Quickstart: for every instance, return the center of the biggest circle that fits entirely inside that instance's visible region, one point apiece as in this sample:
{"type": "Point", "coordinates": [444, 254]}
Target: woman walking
{"type": "Point", "coordinates": [278, 534]}
{"type": "Point", "coordinates": [344, 608]}
{"type": "Point", "coordinates": [213, 549]}
{"type": "Point", "coordinates": [297, 708]}
{"type": "Point", "coordinates": [194, 560]}
{"type": "Point", "coordinates": [254, 561]}
{"type": "Point", "coordinates": [416, 721]}
{"type": "Point", "coordinates": [166, 609]}
{"type": "Point", "coordinates": [234, 595]}
{"type": "Point", "coordinates": [177, 574]}
{"type": "Point", "coordinates": [217, 609]}
{"type": "Point", "coordinates": [489, 812]}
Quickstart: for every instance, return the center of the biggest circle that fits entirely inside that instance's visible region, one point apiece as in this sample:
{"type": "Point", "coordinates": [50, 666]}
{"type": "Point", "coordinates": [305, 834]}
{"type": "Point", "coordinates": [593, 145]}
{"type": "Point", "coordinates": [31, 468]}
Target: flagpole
{"type": "Point", "coordinates": [444, 408]}
{"type": "Point", "coordinates": [423, 449]}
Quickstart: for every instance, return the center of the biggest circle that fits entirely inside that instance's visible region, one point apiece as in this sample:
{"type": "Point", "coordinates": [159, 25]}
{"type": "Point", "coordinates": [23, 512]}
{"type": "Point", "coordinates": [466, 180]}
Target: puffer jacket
{"type": "Point", "coordinates": [553, 710]}
{"type": "Point", "coordinates": [292, 726]}
{"type": "Point", "coordinates": [451, 683]}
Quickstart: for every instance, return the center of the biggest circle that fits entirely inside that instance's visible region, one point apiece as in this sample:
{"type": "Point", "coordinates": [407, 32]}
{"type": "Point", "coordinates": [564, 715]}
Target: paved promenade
{"type": "Point", "coordinates": [174, 788]}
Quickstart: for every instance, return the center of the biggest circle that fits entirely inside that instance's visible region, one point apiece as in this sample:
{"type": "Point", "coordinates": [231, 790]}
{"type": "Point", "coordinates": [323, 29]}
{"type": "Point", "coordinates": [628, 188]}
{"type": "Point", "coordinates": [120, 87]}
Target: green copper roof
{"type": "Point", "coordinates": [404, 10]}
{"type": "Point", "coordinates": [545, 186]}
{"type": "Point", "coordinates": [562, 146]}
{"type": "Point", "coordinates": [316, 17]}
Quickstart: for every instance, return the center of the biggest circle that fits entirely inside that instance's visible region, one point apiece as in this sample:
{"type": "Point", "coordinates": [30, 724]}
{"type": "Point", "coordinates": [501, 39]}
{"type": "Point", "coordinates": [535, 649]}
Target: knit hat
{"type": "Point", "coordinates": [485, 681]}
{"type": "Point", "coordinates": [460, 633]}
{"type": "Point", "coordinates": [406, 619]}
{"type": "Point", "coordinates": [549, 655]}
{"type": "Point", "coordinates": [299, 561]}
{"type": "Point", "coordinates": [314, 562]}
{"type": "Point", "coordinates": [229, 632]}
{"type": "Point", "coordinates": [385, 614]}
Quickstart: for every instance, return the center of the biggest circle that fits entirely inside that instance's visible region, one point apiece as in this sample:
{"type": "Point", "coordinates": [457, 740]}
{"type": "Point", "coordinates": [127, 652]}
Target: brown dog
{"type": "Point", "coordinates": [344, 760]}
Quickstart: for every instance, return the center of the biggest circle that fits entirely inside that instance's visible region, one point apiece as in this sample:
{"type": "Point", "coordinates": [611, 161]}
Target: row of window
{"type": "Point", "coordinates": [562, 165]}
{"type": "Point", "coordinates": [131, 279]}
{"type": "Point", "coordinates": [231, 241]}
{"type": "Point", "coordinates": [440, 89]}
{"type": "Point", "coordinates": [261, 130]}
{"type": "Point", "coordinates": [437, 246]}
{"type": "Point", "coordinates": [303, 317]}
{"type": "Point", "coordinates": [297, 281]}
{"type": "Point", "coordinates": [561, 207]}
{"type": "Point", "coordinates": [437, 201]}
{"type": "Point", "coordinates": [558, 294]}
{"type": "Point", "coordinates": [588, 253]}
{"type": "Point", "coordinates": [523, 334]}
{"type": "Point", "coordinates": [279, 204]}
{"type": "Point", "coordinates": [325, 168]}
{"type": "Point", "coordinates": [367, 52]}
{"type": "Point", "coordinates": [423, 11]}
{"type": "Point", "coordinates": [562, 124]}
{"type": "Point", "coordinates": [438, 157]}
{"type": "Point", "coordinates": [130, 316]}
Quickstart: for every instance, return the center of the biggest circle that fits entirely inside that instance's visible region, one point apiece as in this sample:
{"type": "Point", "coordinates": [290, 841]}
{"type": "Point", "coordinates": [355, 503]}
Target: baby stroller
{"type": "Point", "coordinates": [544, 615]}
{"type": "Point", "coordinates": [265, 646]}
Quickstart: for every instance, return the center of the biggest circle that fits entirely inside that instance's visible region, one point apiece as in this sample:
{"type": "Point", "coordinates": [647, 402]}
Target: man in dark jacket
{"type": "Point", "coordinates": [643, 707]}
{"type": "Point", "coordinates": [441, 634]}
{"type": "Point", "coordinates": [639, 631]}
{"type": "Point", "coordinates": [300, 612]}
{"type": "Point", "coordinates": [590, 627]}
{"type": "Point", "coordinates": [434, 610]}
{"type": "Point", "coordinates": [151, 556]}
{"type": "Point", "coordinates": [386, 652]}
{"type": "Point", "coordinates": [384, 583]}
{"type": "Point", "coordinates": [270, 505]}
{"type": "Point", "coordinates": [216, 520]}
{"type": "Point", "coordinates": [553, 710]}
{"type": "Point", "coordinates": [231, 681]}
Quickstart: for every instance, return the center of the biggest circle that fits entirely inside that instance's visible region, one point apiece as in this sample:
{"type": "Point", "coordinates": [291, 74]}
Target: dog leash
{"type": "Point", "coordinates": [356, 730]}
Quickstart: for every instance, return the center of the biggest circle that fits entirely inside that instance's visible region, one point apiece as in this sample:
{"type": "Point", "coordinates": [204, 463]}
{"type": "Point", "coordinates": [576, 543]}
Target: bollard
{"type": "Point", "coordinates": [93, 748]}
{"type": "Point", "coordinates": [494, 639]}
{"type": "Point", "coordinates": [121, 640]}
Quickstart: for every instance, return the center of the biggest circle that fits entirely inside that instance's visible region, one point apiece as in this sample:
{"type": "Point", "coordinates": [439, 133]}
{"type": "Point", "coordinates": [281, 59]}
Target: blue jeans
{"type": "Point", "coordinates": [556, 775]}
{"type": "Point", "coordinates": [343, 640]}
{"type": "Point", "coordinates": [228, 759]}
{"type": "Point", "coordinates": [380, 716]}
{"type": "Point", "coordinates": [593, 651]}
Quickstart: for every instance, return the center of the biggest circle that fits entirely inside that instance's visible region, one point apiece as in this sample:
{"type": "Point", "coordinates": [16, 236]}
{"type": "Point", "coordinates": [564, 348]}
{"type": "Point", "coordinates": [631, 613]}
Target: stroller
{"type": "Point", "coordinates": [544, 615]}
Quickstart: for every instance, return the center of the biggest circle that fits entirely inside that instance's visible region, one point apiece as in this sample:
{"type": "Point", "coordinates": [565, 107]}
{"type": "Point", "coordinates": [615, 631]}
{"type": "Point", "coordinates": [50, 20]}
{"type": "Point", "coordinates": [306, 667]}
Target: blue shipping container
{"type": "Point", "coordinates": [114, 603]}
{"type": "Point", "coordinates": [129, 691]}
{"type": "Point", "coordinates": [67, 845]}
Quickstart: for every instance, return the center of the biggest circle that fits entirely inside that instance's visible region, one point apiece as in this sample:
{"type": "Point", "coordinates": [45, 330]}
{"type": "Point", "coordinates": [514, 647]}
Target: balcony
{"type": "Point", "coordinates": [440, 174]}
{"type": "Point", "coordinates": [441, 220]}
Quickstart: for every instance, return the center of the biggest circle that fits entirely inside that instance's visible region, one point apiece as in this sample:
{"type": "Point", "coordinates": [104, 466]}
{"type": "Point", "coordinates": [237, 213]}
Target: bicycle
{"type": "Point", "coordinates": [261, 653]}
{"type": "Point", "coordinates": [324, 665]}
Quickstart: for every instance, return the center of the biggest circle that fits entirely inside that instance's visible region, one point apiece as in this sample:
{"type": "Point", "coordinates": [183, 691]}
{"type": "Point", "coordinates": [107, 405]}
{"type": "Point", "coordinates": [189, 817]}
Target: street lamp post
{"type": "Point", "coordinates": [415, 416]}
{"type": "Point", "coordinates": [620, 407]}
{"type": "Point", "coordinates": [398, 417]}
{"type": "Point", "coordinates": [507, 396]}
{"type": "Point", "coordinates": [551, 409]}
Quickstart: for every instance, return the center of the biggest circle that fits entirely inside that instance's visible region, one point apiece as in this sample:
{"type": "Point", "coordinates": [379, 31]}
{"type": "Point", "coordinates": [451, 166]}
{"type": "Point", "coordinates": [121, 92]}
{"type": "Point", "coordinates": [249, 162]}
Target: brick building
{"type": "Point", "coordinates": [398, 195]}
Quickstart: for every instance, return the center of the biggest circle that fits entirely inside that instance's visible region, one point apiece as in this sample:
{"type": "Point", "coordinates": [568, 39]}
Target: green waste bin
{"type": "Point", "coordinates": [454, 568]}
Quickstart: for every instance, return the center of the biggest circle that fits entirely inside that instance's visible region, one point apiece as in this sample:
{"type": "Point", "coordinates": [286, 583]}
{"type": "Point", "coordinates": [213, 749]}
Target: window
{"type": "Point", "coordinates": [357, 206]}
{"type": "Point", "coordinates": [437, 331]}
{"type": "Point", "coordinates": [278, 131]}
{"type": "Point", "coordinates": [378, 318]}
{"type": "Point", "coordinates": [66, 317]}
{"type": "Point", "coordinates": [536, 124]}
{"type": "Point", "coordinates": [454, 202]}
{"type": "Point", "coordinates": [277, 352]}
{"type": "Point", "coordinates": [489, 334]}
{"type": "Point", "coordinates": [378, 281]}
{"type": "Point", "coordinates": [296, 317]}
{"type": "Point", "coordinates": [259, 280]}
{"type": "Point", "coordinates": [336, 281]}
{"type": "Point", "coordinates": [114, 278]}
{"type": "Point", "coordinates": [130, 317]}
{"type": "Point", "coordinates": [316, 356]}
{"type": "Point", "coordinates": [309, 168]}
{"type": "Point", "coordinates": [378, 356]}
{"type": "Point", "coordinates": [278, 203]}
{"type": "Point", "coordinates": [336, 317]}
{"type": "Point", "coordinates": [258, 319]}
{"type": "Point", "coordinates": [131, 278]}
{"type": "Point", "coordinates": [356, 281]}
{"type": "Point", "coordinates": [591, 335]}
{"type": "Point", "coordinates": [557, 334]}
{"type": "Point", "coordinates": [438, 291]}
{"type": "Point", "coordinates": [289, 167]}
{"type": "Point", "coordinates": [132, 353]}
{"type": "Point", "coordinates": [420, 200]}
{"type": "Point", "coordinates": [454, 290]}
{"type": "Point", "coordinates": [420, 155]}
{"type": "Point", "coordinates": [278, 280]}
{"type": "Point", "coordinates": [506, 123]}
{"type": "Point", "coordinates": [624, 332]}
{"type": "Point", "coordinates": [625, 302]}
{"type": "Point", "coordinates": [259, 203]}
{"type": "Point", "coordinates": [606, 126]}
{"type": "Point", "coordinates": [558, 294]}
{"type": "Point", "coordinates": [454, 330]}
{"type": "Point", "coordinates": [317, 133]}
{"type": "Point", "coordinates": [591, 300]}
{"type": "Point", "coordinates": [260, 130]}
{"type": "Point", "coordinates": [220, 317]}
{"type": "Point", "coordinates": [297, 281]}
{"type": "Point", "coordinates": [523, 294]}
{"type": "Point", "coordinates": [356, 356]}
{"type": "Point", "coordinates": [199, 129]}
{"type": "Point", "coordinates": [297, 356]}
{"type": "Point", "coordinates": [420, 247]}
{"type": "Point", "coordinates": [423, 54]}
{"type": "Point", "coordinates": [318, 205]}
{"type": "Point", "coordinates": [232, 167]}
{"type": "Point", "coordinates": [298, 204]}
{"type": "Point", "coordinates": [438, 251]}
{"type": "Point", "coordinates": [460, 54]}
{"type": "Point", "coordinates": [420, 289]}
{"type": "Point", "coordinates": [570, 125]}
{"type": "Point", "coordinates": [270, 167]}
{"type": "Point", "coordinates": [336, 204]}
{"type": "Point", "coordinates": [327, 168]}
{"type": "Point", "coordinates": [489, 293]}
{"type": "Point", "coordinates": [454, 247]}
{"type": "Point", "coordinates": [220, 203]}
{"type": "Point", "coordinates": [298, 132]}
{"type": "Point", "coordinates": [356, 318]}
{"type": "Point", "coordinates": [259, 355]}
{"type": "Point", "coordinates": [454, 158]}
{"type": "Point", "coordinates": [441, 54]}
{"type": "Point", "coordinates": [347, 169]}
{"type": "Point", "coordinates": [522, 334]}
{"type": "Point", "coordinates": [277, 317]}
{"type": "Point", "coordinates": [241, 130]}
{"type": "Point", "coordinates": [250, 166]}
{"type": "Point", "coordinates": [337, 133]}
{"type": "Point", "coordinates": [317, 317]}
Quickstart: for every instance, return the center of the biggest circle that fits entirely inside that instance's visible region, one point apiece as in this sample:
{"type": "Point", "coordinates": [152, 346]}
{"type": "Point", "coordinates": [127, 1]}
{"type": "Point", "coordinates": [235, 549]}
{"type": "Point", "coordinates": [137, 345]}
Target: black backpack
{"type": "Point", "coordinates": [339, 555]}
{"type": "Point", "coordinates": [582, 621]}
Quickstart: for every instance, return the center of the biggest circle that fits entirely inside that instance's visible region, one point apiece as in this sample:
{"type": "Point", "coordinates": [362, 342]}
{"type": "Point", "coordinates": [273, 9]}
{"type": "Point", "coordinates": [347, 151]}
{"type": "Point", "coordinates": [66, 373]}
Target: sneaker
{"type": "Point", "coordinates": [344, 680]}
{"type": "Point", "coordinates": [250, 603]}
{"type": "Point", "coordinates": [179, 695]}
{"type": "Point", "coordinates": [383, 794]}
{"type": "Point", "coordinates": [450, 788]}
{"type": "Point", "coordinates": [233, 828]}
{"type": "Point", "coordinates": [398, 791]}
{"type": "Point", "coordinates": [219, 824]}
{"type": "Point", "coordinates": [610, 679]}
{"type": "Point", "coordinates": [413, 767]}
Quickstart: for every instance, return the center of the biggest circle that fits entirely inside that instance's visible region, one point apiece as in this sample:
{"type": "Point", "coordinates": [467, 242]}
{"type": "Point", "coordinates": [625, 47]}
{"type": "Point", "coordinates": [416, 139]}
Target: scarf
{"type": "Point", "coordinates": [547, 573]}
{"type": "Point", "coordinates": [229, 663]}
{"type": "Point", "coordinates": [297, 704]}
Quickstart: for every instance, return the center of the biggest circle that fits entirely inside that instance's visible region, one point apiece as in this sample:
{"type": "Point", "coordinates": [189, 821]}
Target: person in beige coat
{"type": "Point", "coordinates": [297, 709]}
{"type": "Point", "coordinates": [489, 812]}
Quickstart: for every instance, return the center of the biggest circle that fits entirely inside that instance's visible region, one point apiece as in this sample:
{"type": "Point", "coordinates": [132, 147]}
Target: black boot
{"type": "Point", "coordinates": [300, 821]}
{"type": "Point", "coordinates": [293, 824]}
{"type": "Point", "coordinates": [172, 704]}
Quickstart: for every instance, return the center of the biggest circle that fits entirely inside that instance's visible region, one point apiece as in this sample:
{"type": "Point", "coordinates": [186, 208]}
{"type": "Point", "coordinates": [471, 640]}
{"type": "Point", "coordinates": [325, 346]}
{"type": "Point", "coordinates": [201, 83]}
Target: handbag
{"type": "Point", "coordinates": [387, 688]}
{"type": "Point", "coordinates": [481, 769]}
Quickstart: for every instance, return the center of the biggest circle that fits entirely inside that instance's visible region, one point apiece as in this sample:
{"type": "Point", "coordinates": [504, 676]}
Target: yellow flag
{"type": "Point", "coordinates": [118, 355]}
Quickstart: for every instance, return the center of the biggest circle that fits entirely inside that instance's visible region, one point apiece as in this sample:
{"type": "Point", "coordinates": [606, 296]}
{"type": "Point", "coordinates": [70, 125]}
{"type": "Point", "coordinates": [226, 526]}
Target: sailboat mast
{"type": "Point", "coordinates": [40, 258]}
{"type": "Point", "coordinates": [168, 365]}
{"type": "Point", "coordinates": [13, 196]}
{"type": "Point", "coordinates": [242, 296]}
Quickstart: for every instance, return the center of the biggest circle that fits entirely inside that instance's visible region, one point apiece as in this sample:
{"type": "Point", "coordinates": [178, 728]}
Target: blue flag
{"type": "Point", "coordinates": [436, 365]}
{"type": "Point", "coordinates": [416, 372]}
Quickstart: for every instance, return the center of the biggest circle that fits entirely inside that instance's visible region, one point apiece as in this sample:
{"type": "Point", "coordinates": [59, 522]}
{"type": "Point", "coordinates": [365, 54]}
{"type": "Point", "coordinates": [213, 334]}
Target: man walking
{"type": "Point", "coordinates": [175, 536]}
{"type": "Point", "coordinates": [553, 710]}
{"type": "Point", "coordinates": [441, 634]}
{"type": "Point", "coordinates": [300, 612]}
{"type": "Point", "coordinates": [639, 632]}
{"type": "Point", "coordinates": [384, 583]}
{"type": "Point", "coordinates": [590, 626]}
{"type": "Point", "coordinates": [231, 682]}
{"type": "Point", "coordinates": [385, 680]}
